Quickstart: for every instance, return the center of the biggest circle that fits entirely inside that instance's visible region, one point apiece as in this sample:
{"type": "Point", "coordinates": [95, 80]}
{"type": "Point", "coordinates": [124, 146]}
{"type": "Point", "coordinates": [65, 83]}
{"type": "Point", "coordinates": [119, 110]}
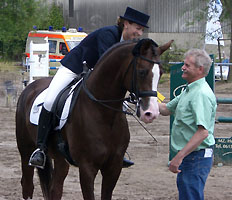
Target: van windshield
{"type": "Point", "coordinates": [72, 44]}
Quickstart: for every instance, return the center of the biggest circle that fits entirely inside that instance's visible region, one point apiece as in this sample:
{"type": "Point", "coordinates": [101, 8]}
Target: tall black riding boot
{"type": "Point", "coordinates": [38, 157]}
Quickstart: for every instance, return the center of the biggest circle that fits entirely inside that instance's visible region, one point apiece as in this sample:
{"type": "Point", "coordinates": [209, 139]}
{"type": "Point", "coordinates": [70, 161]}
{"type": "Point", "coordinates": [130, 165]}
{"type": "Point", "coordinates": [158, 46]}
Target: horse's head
{"type": "Point", "coordinates": [146, 74]}
{"type": "Point", "coordinates": [128, 66]}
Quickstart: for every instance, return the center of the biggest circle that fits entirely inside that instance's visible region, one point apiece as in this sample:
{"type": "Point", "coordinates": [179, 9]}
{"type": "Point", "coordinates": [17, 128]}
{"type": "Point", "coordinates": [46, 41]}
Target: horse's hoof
{"type": "Point", "coordinates": [127, 163]}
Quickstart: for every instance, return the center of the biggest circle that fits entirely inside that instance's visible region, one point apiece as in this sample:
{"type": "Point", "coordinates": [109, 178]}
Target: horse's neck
{"type": "Point", "coordinates": [107, 77]}
{"type": "Point", "coordinates": [106, 82]}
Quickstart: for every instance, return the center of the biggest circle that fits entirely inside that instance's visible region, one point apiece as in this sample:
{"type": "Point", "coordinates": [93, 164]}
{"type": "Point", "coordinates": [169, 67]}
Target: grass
{"type": "Point", "coordinates": [16, 67]}
{"type": "Point", "coordinates": [9, 66]}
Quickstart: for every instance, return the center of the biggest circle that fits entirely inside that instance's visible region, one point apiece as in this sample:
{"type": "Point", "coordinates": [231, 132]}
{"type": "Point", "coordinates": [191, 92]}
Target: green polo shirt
{"type": "Point", "coordinates": [195, 106]}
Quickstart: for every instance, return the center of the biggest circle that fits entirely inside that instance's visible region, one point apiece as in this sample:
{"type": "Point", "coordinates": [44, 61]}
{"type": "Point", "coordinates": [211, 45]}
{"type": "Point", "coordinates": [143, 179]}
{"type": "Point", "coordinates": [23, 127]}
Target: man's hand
{"type": "Point", "coordinates": [175, 163]}
{"type": "Point", "coordinates": [163, 109]}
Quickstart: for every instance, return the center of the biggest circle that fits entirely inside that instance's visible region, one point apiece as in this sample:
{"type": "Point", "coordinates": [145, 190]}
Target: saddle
{"type": "Point", "coordinates": [61, 109]}
{"type": "Point", "coordinates": [62, 106]}
{"type": "Point", "coordinates": [68, 95]}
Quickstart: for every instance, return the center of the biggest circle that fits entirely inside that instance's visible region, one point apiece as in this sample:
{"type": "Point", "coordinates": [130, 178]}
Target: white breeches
{"type": "Point", "coordinates": [61, 79]}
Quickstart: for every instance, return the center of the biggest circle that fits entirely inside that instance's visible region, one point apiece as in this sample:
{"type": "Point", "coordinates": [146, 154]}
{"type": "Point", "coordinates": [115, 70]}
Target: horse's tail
{"type": "Point", "coordinates": [45, 176]}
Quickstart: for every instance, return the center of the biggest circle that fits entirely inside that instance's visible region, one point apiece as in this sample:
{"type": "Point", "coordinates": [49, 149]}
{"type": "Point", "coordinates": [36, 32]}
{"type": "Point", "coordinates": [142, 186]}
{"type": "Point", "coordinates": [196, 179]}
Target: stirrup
{"type": "Point", "coordinates": [127, 163]}
{"type": "Point", "coordinates": [44, 159]}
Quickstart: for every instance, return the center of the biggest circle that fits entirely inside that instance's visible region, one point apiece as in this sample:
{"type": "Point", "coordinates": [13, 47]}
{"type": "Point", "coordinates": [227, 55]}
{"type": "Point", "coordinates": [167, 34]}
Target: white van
{"type": "Point", "coordinates": [60, 42]}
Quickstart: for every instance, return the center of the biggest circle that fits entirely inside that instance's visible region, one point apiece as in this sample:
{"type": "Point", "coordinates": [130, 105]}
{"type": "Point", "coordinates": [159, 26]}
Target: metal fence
{"type": "Point", "coordinates": [167, 16]}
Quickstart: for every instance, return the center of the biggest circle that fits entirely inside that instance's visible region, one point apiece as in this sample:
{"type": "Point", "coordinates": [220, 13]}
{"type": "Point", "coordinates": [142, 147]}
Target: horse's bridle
{"type": "Point", "coordinates": [134, 94]}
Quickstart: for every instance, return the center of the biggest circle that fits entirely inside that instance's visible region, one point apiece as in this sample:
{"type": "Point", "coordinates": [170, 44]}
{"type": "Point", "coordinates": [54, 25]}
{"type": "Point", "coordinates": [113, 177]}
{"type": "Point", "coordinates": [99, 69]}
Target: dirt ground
{"type": "Point", "coordinates": [148, 179]}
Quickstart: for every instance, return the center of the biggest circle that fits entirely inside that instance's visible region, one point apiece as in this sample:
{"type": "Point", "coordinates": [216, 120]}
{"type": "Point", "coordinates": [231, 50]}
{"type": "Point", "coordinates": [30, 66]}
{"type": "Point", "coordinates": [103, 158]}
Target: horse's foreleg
{"type": "Point", "coordinates": [87, 177]}
{"type": "Point", "coordinates": [61, 168]}
{"type": "Point", "coordinates": [110, 177]}
{"type": "Point", "coordinates": [27, 179]}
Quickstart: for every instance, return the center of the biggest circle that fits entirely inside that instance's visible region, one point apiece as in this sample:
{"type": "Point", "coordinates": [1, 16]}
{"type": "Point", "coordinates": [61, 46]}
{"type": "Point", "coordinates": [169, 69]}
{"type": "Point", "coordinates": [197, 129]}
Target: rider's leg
{"type": "Point", "coordinates": [62, 78]}
{"type": "Point", "coordinates": [38, 157]}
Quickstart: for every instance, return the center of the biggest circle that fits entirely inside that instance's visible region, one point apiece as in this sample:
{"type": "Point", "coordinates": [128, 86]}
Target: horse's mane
{"type": "Point", "coordinates": [115, 46]}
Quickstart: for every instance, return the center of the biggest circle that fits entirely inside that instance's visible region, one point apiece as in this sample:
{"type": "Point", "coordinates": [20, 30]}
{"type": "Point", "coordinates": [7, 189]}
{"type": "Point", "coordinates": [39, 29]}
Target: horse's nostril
{"type": "Point", "coordinates": [148, 114]}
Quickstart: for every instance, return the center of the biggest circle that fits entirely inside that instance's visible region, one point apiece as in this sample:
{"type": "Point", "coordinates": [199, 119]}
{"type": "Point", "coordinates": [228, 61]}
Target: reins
{"type": "Point", "coordinates": [130, 99]}
{"type": "Point", "coordinates": [134, 95]}
{"type": "Point", "coordinates": [100, 101]}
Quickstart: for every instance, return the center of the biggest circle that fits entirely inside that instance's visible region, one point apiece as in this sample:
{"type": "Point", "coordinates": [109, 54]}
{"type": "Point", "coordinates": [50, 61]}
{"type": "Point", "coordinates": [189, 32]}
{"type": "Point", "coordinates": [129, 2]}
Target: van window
{"type": "Point", "coordinates": [52, 46]}
{"type": "Point", "coordinates": [63, 49]}
{"type": "Point", "coordinates": [72, 44]}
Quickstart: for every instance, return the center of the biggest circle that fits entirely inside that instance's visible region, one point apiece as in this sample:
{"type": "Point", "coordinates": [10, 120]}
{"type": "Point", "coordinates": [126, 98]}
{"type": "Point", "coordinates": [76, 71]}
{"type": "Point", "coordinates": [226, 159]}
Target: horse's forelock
{"type": "Point", "coordinates": [143, 45]}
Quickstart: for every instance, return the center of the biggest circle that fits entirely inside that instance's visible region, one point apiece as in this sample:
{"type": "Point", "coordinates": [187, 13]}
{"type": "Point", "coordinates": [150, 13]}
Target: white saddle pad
{"type": "Point", "coordinates": [37, 107]}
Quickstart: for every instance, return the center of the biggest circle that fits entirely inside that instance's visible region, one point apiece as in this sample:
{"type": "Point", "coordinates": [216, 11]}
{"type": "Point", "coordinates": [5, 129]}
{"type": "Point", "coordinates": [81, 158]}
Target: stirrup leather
{"type": "Point", "coordinates": [44, 159]}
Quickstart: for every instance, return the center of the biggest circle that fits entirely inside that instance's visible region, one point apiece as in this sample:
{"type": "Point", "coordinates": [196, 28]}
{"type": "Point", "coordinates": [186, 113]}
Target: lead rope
{"type": "Point", "coordinates": [145, 128]}
{"type": "Point", "coordinates": [141, 123]}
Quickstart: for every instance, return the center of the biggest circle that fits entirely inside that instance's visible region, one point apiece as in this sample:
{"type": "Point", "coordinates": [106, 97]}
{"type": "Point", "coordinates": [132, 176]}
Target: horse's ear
{"type": "Point", "coordinates": [163, 48]}
{"type": "Point", "coordinates": [147, 44]}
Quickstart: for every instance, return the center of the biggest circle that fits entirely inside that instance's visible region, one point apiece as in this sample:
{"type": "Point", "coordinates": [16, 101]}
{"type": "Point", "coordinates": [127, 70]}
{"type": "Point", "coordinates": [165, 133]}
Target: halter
{"type": "Point", "coordinates": [135, 94]}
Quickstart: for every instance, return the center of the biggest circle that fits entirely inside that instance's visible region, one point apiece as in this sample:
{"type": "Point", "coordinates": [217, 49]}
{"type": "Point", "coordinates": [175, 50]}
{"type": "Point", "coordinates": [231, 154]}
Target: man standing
{"type": "Point", "coordinates": [192, 130]}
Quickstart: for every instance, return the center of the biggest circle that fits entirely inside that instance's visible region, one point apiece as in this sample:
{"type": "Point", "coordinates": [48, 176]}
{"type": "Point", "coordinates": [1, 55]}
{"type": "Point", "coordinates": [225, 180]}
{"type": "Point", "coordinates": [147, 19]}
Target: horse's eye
{"type": "Point", "coordinates": [142, 73]}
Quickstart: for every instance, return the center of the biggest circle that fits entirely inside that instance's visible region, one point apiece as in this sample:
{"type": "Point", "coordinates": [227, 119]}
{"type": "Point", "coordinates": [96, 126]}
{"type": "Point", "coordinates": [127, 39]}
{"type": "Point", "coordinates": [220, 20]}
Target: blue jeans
{"type": "Point", "coordinates": [194, 172]}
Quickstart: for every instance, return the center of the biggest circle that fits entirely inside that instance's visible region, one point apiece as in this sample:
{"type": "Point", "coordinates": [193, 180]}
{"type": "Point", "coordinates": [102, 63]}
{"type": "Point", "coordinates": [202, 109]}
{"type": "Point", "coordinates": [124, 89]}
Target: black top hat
{"type": "Point", "coordinates": [136, 17]}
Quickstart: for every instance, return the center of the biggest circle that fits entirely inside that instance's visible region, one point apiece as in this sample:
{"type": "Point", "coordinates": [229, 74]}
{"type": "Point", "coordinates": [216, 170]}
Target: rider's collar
{"type": "Point", "coordinates": [121, 40]}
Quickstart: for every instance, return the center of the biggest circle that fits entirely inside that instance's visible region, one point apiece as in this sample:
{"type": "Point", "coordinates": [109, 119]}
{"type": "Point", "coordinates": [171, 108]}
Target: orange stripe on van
{"type": "Point", "coordinates": [55, 57]}
{"type": "Point", "coordinates": [50, 56]}
{"type": "Point", "coordinates": [45, 35]}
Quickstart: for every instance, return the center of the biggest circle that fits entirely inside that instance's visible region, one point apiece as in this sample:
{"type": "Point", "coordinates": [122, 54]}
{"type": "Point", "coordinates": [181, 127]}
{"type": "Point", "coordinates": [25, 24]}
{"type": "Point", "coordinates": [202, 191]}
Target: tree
{"type": "Point", "coordinates": [55, 17]}
{"type": "Point", "coordinates": [226, 17]}
{"type": "Point", "coordinates": [17, 18]}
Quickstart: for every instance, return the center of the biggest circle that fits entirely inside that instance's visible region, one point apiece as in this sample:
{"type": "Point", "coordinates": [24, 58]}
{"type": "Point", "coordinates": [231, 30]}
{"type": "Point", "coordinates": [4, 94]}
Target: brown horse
{"type": "Point", "coordinates": [97, 131]}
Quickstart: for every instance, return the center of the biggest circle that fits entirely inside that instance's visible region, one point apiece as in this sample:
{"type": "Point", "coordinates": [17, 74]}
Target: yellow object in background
{"type": "Point", "coordinates": [160, 97]}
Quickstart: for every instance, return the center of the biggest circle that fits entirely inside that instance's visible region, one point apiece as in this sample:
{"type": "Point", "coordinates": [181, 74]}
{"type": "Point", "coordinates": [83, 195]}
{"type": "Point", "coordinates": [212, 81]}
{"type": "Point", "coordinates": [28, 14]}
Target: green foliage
{"type": "Point", "coordinates": [55, 17]}
{"type": "Point", "coordinates": [225, 17]}
{"type": "Point", "coordinates": [17, 19]}
{"type": "Point", "coordinates": [227, 10]}
{"type": "Point", "coordinates": [172, 55]}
